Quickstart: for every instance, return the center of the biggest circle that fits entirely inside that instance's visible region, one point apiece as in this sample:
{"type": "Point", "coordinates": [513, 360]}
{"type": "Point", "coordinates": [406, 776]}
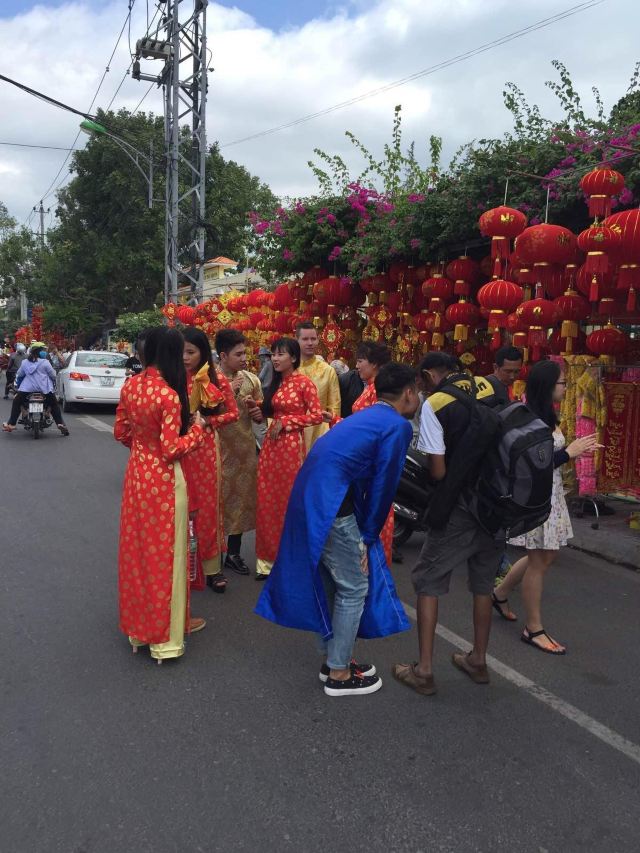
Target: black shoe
{"type": "Point", "coordinates": [237, 564]}
{"type": "Point", "coordinates": [357, 685]}
{"type": "Point", "coordinates": [366, 669]}
{"type": "Point", "coordinates": [261, 577]}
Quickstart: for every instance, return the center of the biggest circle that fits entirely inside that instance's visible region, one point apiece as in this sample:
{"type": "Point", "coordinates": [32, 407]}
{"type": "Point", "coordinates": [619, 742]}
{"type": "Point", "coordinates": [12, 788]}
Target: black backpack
{"type": "Point", "coordinates": [502, 466]}
{"type": "Point", "coordinates": [513, 490]}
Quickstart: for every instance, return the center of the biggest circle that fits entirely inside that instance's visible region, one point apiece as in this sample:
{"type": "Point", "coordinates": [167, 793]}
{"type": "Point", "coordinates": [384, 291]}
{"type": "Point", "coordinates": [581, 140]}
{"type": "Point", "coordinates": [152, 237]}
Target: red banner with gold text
{"type": "Point", "coordinates": [620, 466]}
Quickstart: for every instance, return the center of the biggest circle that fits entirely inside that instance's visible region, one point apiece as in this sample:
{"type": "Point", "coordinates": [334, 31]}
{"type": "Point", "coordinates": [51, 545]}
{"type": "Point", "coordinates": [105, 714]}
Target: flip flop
{"type": "Point", "coordinates": [528, 637]}
{"type": "Point", "coordinates": [496, 603]}
{"type": "Point", "coordinates": [477, 674]}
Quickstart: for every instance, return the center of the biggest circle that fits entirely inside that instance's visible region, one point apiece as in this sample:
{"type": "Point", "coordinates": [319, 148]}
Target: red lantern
{"type": "Point", "coordinates": [597, 241]}
{"type": "Point", "coordinates": [186, 314]}
{"type": "Point", "coordinates": [502, 224]}
{"type": "Point", "coordinates": [600, 185]}
{"type": "Point", "coordinates": [559, 345]}
{"type": "Point", "coordinates": [439, 290]}
{"type": "Point", "coordinates": [572, 310]}
{"type": "Point", "coordinates": [500, 297]}
{"type": "Point", "coordinates": [283, 297]}
{"type": "Point", "coordinates": [464, 272]}
{"type": "Point", "coordinates": [539, 315]}
{"type": "Point", "coordinates": [609, 341]}
{"type": "Point", "coordinates": [544, 246]}
{"type": "Point", "coordinates": [627, 225]}
{"type": "Point", "coordinates": [595, 287]}
{"type": "Point", "coordinates": [463, 315]}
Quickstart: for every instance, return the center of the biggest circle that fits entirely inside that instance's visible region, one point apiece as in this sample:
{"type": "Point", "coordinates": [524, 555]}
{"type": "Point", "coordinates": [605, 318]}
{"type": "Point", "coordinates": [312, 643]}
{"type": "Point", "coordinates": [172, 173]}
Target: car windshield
{"type": "Point", "coordinates": [100, 359]}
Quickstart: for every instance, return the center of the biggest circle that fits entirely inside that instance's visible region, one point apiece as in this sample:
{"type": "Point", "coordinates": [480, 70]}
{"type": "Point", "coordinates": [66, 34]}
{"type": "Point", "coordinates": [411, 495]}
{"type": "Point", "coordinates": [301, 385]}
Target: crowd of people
{"type": "Point", "coordinates": [309, 455]}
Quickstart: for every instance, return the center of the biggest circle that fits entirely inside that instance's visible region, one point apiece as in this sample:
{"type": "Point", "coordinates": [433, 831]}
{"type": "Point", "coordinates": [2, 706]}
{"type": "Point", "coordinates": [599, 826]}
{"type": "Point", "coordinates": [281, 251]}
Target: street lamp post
{"type": "Point", "coordinates": [93, 128]}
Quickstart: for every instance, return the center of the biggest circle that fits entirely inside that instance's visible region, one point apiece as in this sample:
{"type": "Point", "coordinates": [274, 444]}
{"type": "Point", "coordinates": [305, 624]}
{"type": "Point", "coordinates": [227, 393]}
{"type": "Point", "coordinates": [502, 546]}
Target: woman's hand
{"type": "Point", "coordinates": [587, 444]}
{"type": "Point", "coordinates": [276, 429]}
{"type": "Point", "coordinates": [198, 420]}
{"type": "Point", "coordinates": [327, 417]}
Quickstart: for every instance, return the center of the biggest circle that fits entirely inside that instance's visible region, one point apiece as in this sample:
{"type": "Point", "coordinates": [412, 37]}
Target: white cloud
{"type": "Point", "coordinates": [264, 78]}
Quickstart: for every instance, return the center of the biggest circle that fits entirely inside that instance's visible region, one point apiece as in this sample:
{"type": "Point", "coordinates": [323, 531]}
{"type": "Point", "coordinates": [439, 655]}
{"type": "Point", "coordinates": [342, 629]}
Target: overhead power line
{"type": "Point", "coordinates": [454, 60]}
{"type": "Point", "coordinates": [47, 147]}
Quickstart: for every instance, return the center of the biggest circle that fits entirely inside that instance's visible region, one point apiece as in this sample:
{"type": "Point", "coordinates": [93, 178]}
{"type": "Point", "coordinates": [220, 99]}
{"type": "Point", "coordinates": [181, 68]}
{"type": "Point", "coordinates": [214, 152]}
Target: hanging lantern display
{"type": "Point", "coordinates": [608, 341]}
{"type": "Point", "coordinates": [572, 310]}
{"type": "Point", "coordinates": [502, 224]}
{"type": "Point", "coordinates": [464, 272]}
{"type": "Point", "coordinates": [546, 247]}
{"type": "Point", "coordinates": [518, 330]}
{"type": "Point", "coordinates": [627, 225]}
{"type": "Point", "coordinates": [598, 241]}
{"type": "Point", "coordinates": [600, 185]}
{"type": "Point", "coordinates": [169, 311]}
{"type": "Point", "coordinates": [538, 315]}
{"type": "Point", "coordinates": [439, 291]}
{"type": "Point", "coordinates": [559, 345]}
{"type": "Point", "coordinates": [500, 298]}
{"type": "Point", "coordinates": [595, 287]}
{"type": "Point", "coordinates": [464, 315]}
{"type": "Point", "coordinates": [186, 314]}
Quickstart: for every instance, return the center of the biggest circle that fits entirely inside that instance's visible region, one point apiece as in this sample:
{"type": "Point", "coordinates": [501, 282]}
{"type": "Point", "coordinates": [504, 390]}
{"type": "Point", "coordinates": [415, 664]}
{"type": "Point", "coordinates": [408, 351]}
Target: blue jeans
{"type": "Point", "coordinates": [346, 586]}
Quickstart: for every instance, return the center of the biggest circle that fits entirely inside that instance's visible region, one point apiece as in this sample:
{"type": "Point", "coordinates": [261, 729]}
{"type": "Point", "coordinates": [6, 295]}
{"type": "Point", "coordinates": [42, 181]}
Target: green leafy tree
{"type": "Point", "coordinates": [130, 325]}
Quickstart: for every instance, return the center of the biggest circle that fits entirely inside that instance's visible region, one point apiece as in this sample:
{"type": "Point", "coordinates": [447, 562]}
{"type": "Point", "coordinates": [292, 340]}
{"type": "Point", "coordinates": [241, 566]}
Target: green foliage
{"type": "Point", "coordinates": [403, 207]}
{"type": "Point", "coordinates": [106, 255]}
{"type": "Point", "coordinates": [130, 325]}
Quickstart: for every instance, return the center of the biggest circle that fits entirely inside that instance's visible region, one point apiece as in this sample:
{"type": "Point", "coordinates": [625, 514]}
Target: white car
{"type": "Point", "coordinates": [91, 377]}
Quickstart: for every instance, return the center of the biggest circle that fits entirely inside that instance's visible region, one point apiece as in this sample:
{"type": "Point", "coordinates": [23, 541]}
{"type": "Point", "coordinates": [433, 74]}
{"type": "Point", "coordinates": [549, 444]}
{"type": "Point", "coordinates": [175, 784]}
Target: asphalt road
{"type": "Point", "coordinates": [236, 747]}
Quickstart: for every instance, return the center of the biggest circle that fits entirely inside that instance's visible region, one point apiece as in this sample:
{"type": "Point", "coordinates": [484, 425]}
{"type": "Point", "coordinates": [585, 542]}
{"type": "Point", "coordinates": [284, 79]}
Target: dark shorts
{"type": "Point", "coordinates": [461, 545]}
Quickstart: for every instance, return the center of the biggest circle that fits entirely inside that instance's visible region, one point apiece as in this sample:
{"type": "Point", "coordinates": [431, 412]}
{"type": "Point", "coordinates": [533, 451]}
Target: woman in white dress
{"type": "Point", "coordinates": [546, 386]}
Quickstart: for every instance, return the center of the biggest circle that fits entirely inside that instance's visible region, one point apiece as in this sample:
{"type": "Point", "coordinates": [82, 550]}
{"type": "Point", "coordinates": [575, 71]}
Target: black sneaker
{"type": "Point", "coordinates": [362, 668]}
{"type": "Point", "coordinates": [237, 564]}
{"type": "Point", "coordinates": [357, 685]}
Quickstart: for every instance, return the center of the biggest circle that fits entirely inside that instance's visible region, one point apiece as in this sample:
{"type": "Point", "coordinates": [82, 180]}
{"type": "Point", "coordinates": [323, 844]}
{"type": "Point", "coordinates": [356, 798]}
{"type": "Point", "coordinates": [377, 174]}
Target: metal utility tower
{"type": "Point", "coordinates": [183, 48]}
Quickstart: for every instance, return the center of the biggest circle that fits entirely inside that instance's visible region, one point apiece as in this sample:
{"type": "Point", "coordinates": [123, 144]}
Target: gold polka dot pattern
{"type": "Point", "coordinates": [297, 405]}
{"type": "Point", "coordinates": [148, 422]}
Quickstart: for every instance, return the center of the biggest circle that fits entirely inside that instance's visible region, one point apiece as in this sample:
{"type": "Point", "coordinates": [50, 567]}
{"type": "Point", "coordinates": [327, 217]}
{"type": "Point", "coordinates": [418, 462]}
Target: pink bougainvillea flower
{"type": "Point", "coordinates": [415, 243]}
{"type": "Point", "coordinates": [287, 255]}
{"type": "Point", "coordinates": [262, 227]}
{"type": "Point", "coordinates": [414, 198]}
{"type": "Point", "coordinates": [335, 253]}
{"type": "Point", "coordinates": [331, 219]}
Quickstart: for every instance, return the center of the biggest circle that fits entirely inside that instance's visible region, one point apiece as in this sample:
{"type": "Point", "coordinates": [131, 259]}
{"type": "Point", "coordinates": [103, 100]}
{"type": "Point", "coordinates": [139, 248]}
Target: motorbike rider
{"type": "Point", "coordinates": [15, 360]}
{"type": "Point", "coordinates": [36, 375]}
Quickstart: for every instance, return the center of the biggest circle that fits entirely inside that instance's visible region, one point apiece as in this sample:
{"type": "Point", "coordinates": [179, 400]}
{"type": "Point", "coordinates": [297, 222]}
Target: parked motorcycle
{"type": "Point", "coordinates": [37, 416]}
{"type": "Point", "coordinates": [412, 497]}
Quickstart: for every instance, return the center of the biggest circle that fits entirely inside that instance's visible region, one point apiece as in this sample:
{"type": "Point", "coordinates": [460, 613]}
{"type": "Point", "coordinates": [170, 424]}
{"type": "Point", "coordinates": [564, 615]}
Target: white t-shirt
{"type": "Point", "coordinates": [431, 437]}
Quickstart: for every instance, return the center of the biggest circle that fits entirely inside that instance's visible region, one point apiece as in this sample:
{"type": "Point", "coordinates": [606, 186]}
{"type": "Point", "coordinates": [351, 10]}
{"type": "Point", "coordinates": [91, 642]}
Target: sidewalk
{"type": "Point", "coordinates": [614, 540]}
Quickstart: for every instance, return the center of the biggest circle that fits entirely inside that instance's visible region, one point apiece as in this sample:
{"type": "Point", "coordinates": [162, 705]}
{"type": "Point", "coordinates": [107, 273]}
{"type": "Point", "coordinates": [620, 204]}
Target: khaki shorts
{"type": "Point", "coordinates": [463, 544]}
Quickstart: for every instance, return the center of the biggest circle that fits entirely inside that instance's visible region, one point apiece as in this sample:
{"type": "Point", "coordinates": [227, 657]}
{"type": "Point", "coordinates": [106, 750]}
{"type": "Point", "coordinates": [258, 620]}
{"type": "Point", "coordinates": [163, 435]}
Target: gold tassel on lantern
{"type": "Point", "coordinates": [569, 329]}
{"type": "Point", "coordinates": [461, 332]}
{"type": "Point", "coordinates": [437, 339]}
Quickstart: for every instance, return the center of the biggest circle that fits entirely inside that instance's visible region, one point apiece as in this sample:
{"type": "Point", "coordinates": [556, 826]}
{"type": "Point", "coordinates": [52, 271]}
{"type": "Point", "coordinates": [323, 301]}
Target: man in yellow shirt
{"type": "Point", "coordinates": [323, 377]}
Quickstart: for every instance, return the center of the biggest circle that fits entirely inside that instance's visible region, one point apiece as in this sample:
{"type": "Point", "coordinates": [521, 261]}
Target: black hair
{"type": "Point", "coordinates": [34, 353]}
{"type": "Point", "coordinates": [306, 325]}
{"type": "Point", "coordinates": [227, 339]}
{"type": "Point", "coordinates": [438, 361]}
{"type": "Point", "coordinates": [198, 339]}
{"type": "Point", "coordinates": [378, 354]}
{"type": "Point", "coordinates": [149, 340]}
{"type": "Point", "coordinates": [167, 348]}
{"type": "Point", "coordinates": [138, 344]}
{"type": "Point", "coordinates": [392, 380]}
{"type": "Point", "coordinates": [281, 345]}
{"type": "Point", "coordinates": [508, 354]}
{"type": "Point", "coordinates": [541, 383]}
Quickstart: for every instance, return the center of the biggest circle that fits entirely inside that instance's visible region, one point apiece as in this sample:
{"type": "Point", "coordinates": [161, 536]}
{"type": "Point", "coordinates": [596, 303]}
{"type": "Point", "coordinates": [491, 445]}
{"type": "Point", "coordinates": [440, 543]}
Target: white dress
{"type": "Point", "coordinates": [554, 533]}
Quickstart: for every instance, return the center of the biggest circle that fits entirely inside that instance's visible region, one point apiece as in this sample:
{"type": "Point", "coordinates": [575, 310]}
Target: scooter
{"type": "Point", "coordinates": [37, 417]}
{"type": "Point", "coordinates": [414, 492]}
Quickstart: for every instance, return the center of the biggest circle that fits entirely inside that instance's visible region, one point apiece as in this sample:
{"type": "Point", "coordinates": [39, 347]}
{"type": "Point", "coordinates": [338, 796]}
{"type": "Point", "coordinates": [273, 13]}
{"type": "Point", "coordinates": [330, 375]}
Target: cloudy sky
{"type": "Point", "coordinates": [278, 60]}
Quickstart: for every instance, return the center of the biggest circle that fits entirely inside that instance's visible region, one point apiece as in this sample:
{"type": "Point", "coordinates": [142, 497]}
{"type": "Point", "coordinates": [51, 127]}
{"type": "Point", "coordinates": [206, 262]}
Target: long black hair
{"type": "Point", "coordinates": [281, 345]}
{"type": "Point", "coordinates": [197, 338]}
{"type": "Point", "coordinates": [164, 350]}
{"type": "Point", "coordinates": [541, 384]}
{"type": "Point", "coordinates": [151, 337]}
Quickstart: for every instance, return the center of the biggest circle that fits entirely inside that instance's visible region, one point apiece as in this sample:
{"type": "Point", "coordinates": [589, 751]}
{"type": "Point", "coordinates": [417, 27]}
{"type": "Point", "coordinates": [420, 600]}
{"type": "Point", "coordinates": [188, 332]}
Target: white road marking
{"type": "Point", "coordinates": [94, 423]}
{"type": "Point", "coordinates": [565, 709]}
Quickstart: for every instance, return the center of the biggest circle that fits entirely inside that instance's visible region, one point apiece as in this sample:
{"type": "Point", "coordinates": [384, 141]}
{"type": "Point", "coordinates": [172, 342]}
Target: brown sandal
{"type": "Point", "coordinates": [477, 674]}
{"type": "Point", "coordinates": [406, 673]}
